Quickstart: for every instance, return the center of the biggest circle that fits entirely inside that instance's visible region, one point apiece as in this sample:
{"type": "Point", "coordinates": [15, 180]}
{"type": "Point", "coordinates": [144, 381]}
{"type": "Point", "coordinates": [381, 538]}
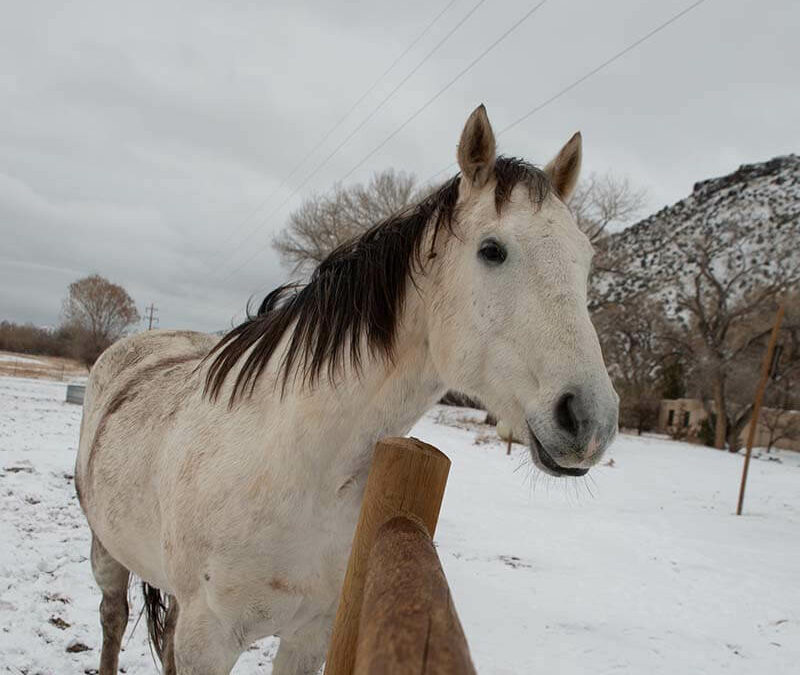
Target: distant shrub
{"type": "Point", "coordinates": [30, 339]}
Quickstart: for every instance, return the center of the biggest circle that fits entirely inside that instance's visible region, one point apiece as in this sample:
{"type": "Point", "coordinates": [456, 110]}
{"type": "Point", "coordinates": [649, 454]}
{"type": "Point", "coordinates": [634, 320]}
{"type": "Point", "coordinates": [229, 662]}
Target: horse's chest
{"type": "Point", "coordinates": [328, 540]}
{"type": "Point", "coordinates": [290, 574]}
{"type": "Point", "coordinates": [282, 553]}
{"type": "Point", "coordinates": [309, 553]}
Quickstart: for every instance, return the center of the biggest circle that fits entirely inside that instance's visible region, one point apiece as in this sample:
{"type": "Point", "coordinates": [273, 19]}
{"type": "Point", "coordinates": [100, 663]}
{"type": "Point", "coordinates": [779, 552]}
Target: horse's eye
{"type": "Point", "coordinates": [492, 252]}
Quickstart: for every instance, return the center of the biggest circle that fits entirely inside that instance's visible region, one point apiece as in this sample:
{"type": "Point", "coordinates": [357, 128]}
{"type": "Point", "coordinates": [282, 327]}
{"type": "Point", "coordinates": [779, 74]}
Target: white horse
{"type": "Point", "coordinates": [228, 476]}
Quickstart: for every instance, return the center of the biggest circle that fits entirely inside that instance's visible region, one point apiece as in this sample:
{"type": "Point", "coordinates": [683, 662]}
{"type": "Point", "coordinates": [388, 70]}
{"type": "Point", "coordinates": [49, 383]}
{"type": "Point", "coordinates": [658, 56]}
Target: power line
{"type": "Point", "coordinates": [521, 119]}
{"type": "Point", "coordinates": [588, 75]}
{"type": "Point", "coordinates": [441, 91]}
{"type": "Point", "coordinates": [321, 141]}
{"type": "Point", "coordinates": [516, 24]}
{"type": "Point", "coordinates": [374, 111]}
{"type": "Point", "coordinates": [603, 65]}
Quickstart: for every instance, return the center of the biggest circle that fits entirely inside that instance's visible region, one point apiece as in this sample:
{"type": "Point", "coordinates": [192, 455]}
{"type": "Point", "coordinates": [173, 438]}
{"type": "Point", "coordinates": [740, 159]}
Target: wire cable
{"type": "Point", "coordinates": [363, 122]}
{"type": "Point", "coordinates": [590, 73]}
{"type": "Point", "coordinates": [321, 141]}
{"type": "Point", "coordinates": [447, 86]}
{"type": "Point", "coordinates": [603, 65]}
{"type": "Point", "coordinates": [516, 24]}
{"type": "Point", "coordinates": [593, 71]}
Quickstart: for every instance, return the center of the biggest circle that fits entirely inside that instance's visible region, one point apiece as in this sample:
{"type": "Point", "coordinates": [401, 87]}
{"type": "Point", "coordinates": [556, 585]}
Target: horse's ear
{"type": "Point", "coordinates": [563, 171]}
{"type": "Point", "coordinates": [476, 149]}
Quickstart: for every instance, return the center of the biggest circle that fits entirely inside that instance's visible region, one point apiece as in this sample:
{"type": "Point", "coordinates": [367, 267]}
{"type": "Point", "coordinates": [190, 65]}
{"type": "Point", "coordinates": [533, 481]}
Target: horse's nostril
{"type": "Point", "coordinates": [566, 417]}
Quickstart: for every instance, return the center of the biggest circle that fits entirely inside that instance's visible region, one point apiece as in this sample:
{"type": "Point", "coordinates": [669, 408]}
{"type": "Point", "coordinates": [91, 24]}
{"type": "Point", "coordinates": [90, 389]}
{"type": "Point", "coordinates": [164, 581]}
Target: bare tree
{"type": "Point", "coordinates": [323, 222]}
{"type": "Point", "coordinates": [724, 300]}
{"type": "Point", "coordinates": [98, 313]}
{"type": "Point", "coordinates": [782, 417]}
{"type": "Point", "coordinates": [780, 425]}
{"type": "Point", "coordinates": [785, 389]}
{"type": "Point", "coordinates": [632, 338]}
{"type": "Point", "coordinates": [739, 414]}
{"type": "Point", "coordinates": [602, 200]}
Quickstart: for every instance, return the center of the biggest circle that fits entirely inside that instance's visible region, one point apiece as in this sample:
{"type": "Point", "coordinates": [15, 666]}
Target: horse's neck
{"type": "Point", "coordinates": [337, 424]}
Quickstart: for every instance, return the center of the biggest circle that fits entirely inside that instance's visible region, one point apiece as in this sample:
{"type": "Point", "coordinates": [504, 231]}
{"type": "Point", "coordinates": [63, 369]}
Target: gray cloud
{"type": "Point", "coordinates": [137, 138]}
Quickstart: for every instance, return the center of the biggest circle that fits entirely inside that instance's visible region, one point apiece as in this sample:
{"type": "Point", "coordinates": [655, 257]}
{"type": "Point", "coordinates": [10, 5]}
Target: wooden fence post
{"type": "Point", "coordinates": [408, 623]}
{"type": "Point", "coordinates": [407, 478]}
{"type": "Point", "coordinates": [762, 387]}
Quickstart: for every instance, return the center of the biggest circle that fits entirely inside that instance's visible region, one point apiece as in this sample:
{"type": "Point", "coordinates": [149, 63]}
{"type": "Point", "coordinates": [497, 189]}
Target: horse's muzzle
{"type": "Point", "coordinates": [574, 437]}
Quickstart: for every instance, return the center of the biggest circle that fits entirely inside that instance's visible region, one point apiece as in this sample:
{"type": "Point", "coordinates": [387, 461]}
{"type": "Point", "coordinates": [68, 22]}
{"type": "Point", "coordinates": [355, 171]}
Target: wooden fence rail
{"type": "Point", "coordinates": [395, 614]}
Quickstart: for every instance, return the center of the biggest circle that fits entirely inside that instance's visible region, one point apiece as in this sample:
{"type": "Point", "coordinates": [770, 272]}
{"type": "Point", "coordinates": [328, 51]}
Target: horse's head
{"type": "Point", "coordinates": [507, 311]}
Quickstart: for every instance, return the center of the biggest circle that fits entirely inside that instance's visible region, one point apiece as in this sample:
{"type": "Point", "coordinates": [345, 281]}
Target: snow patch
{"type": "Point", "coordinates": [640, 568]}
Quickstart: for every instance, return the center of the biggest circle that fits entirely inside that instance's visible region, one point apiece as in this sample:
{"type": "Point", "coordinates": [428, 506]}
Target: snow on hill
{"type": "Point", "coordinates": [642, 568]}
{"type": "Point", "coordinates": [753, 214]}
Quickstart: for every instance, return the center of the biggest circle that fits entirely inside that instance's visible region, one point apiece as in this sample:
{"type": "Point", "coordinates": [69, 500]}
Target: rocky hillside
{"type": "Point", "coordinates": [747, 223]}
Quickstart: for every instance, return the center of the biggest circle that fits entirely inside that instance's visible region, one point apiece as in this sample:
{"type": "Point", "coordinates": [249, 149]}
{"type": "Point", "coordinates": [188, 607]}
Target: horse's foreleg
{"type": "Point", "coordinates": [303, 652]}
{"type": "Point", "coordinates": [170, 622]}
{"type": "Point", "coordinates": [112, 578]}
{"type": "Point", "coordinates": [202, 645]}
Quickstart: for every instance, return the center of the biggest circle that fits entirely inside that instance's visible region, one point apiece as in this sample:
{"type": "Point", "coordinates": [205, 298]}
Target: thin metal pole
{"type": "Point", "coordinates": [762, 387]}
{"type": "Point", "coordinates": [151, 314]}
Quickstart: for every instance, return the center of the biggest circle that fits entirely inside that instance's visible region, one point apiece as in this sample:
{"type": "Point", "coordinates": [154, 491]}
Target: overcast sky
{"type": "Point", "coordinates": [141, 140]}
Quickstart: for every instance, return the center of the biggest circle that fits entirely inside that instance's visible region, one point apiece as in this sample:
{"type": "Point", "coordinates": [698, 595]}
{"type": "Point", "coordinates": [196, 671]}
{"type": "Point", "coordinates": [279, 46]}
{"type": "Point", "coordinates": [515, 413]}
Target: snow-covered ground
{"type": "Point", "coordinates": [641, 568]}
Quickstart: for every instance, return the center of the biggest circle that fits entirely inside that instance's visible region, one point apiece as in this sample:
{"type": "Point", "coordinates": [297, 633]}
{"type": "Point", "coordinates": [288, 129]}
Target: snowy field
{"type": "Point", "coordinates": [42, 367]}
{"type": "Point", "coordinates": [641, 568]}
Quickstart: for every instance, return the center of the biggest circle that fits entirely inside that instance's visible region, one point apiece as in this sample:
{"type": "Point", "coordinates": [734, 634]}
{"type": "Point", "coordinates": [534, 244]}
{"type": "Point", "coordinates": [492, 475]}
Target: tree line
{"type": "Point", "coordinates": [95, 314]}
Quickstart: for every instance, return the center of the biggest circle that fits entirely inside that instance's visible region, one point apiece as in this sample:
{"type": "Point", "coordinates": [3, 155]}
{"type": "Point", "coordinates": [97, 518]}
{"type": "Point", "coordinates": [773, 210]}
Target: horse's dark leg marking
{"type": "Point", "coordinates": [168, 659]}
{"type": "Point", "coordinates": [113, 581]}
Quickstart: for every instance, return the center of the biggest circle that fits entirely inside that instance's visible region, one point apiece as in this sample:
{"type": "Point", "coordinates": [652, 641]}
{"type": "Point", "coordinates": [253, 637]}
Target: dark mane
{"type": "Point", "coordinates": [354, 297]}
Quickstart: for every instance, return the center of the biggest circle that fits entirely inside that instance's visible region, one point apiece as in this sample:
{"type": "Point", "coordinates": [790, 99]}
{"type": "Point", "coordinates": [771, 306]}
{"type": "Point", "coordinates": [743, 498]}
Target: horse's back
{"type": "Point", "coordinates": [125, 366]}
{"type": "Point", "coordinates": [143, 349]}
{"type": "Point", "coordinates": [134, 394]}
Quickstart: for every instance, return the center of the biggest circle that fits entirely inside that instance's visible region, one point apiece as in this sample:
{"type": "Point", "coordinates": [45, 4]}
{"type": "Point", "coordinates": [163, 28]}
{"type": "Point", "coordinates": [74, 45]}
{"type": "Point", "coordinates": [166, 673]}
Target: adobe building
{"type": "Point", "coordinates": [682, 418]}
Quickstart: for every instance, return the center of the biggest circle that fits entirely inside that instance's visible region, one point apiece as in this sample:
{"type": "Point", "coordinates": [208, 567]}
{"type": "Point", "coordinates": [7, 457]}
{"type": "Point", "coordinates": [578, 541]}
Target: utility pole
{"type": "Point", "coordinates": [151, 314]}
{"type": "Point", "coordinates": [767, 370]}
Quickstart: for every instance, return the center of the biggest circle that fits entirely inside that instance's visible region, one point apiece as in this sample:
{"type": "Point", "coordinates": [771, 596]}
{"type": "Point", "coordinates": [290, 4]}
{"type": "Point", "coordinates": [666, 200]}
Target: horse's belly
{"type": "Point", "coordinates": [129, 529]}
{"type": "Point", "coordinates": [123, 507]}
